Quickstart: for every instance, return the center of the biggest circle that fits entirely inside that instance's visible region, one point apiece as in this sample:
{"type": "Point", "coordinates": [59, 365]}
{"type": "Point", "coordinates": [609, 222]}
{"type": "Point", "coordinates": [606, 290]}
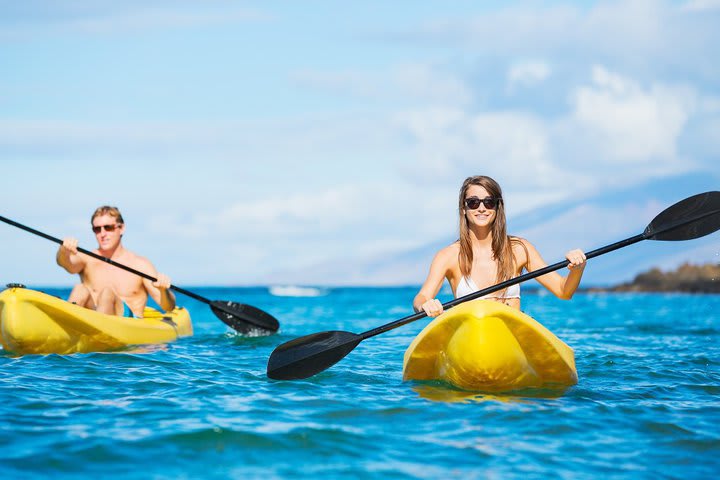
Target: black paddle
{"type": "Point", "coordinates": [306, 356]}
{"type": "Point", "coordinates": [240, 317]}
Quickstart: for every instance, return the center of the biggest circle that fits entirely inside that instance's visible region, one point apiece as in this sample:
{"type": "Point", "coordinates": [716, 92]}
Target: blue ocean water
{"type": "Point", "coordinates": [647, 404]}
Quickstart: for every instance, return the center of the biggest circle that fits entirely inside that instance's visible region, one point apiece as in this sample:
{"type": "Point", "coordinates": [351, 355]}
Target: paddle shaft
{"type": "Point", "coordinates": [502, 285]}
{"type": "Point", "coordinates": [105, 259]}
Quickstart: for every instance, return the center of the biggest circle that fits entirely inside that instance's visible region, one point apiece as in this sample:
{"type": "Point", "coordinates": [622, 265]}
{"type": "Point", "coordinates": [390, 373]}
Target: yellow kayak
{"type": "Point", "coordinates": [483, 345]}
{"type": "Point", "coordinates": [34, 322]}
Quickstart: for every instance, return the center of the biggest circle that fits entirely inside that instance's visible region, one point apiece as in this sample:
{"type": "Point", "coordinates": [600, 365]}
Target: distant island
{"type": "Point", "coordinates": [686, 278]}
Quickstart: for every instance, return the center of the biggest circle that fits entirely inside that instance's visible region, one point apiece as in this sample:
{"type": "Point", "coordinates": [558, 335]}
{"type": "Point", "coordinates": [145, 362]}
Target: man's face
{"type": "Point", "coordinates": [107, 231]}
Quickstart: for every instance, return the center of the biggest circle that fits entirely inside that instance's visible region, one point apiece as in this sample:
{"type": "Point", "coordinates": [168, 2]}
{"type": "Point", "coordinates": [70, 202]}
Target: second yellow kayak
{"type": "Point", "coordinates": [483, 345]}
{"type": "Point", "coordinates": [36, 323]}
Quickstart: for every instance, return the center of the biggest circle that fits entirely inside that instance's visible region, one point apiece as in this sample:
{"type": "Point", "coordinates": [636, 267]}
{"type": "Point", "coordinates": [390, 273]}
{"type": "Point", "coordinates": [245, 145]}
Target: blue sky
{"type": "Point", "coordinates": [303, 142]}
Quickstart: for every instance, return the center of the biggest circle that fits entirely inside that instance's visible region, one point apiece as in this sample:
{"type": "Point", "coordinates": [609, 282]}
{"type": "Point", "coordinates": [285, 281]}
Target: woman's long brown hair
{"type": "Point", "coordinates": [501, 242]}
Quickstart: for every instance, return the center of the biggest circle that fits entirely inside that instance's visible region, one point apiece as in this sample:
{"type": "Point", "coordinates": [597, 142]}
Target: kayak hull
{"type": "Point", "coordinates": [33, 322]}
{"type": "Point", "coordinates": [483, 345]}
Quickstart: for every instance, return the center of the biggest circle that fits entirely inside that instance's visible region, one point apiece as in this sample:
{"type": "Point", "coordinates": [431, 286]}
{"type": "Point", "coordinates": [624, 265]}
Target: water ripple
{"type": "Point", "coordinates": [645, 405]}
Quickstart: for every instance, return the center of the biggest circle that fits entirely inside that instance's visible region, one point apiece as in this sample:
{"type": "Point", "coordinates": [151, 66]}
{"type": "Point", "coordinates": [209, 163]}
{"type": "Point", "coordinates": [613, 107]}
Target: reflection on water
{"type": "Point", "coordinates": [444, 392]}
{"type": "Point", "coordinates": [133, 349]}
{"type": "Point", "coordinates": [162, 347]}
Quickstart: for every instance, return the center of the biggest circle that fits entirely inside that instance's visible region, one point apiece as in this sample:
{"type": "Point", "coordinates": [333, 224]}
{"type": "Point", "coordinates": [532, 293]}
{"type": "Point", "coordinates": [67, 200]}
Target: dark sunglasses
{"type": "Point", "coordinates": [108, 228]}
{"type": "Point", "coordinates": [490, 203]}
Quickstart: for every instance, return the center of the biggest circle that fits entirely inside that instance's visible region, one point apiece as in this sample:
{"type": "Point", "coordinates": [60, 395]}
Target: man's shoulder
{"type": "Point", "coordinates": [139, 259]}
{"type": "Point", "coordinates": [132, 259]}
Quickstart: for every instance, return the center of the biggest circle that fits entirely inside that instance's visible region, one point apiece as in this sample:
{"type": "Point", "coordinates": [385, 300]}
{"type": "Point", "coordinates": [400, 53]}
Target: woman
{"type": "Point", "coordinates": [486, 255]}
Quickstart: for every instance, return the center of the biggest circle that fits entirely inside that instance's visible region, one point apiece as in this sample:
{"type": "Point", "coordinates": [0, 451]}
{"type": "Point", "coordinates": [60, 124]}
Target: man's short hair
{"type": "Point", "coordinates": [108, 210]}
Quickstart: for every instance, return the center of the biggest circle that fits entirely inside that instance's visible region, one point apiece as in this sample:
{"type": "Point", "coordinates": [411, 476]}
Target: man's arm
{"type": "Point", "coordinates": [160, 289]}
{"type": "Point", "coordinates": [68, 257]}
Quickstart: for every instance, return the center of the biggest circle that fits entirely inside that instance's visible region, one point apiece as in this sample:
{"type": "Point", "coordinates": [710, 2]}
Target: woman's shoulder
{"type": "Point", "coordinates": [519, 242]}
{"type": "Point", "coordinates": [453, 248]}
{"type": "Point", "coordinates": [520, 248]}
{"type": "Point", "coordinates": [449, 252]}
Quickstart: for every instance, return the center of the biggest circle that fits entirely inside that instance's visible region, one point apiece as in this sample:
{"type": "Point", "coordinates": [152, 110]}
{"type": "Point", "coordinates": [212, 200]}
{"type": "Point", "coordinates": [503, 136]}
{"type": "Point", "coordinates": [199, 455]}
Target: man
{"type": "Point", "coordinates": [105, 287]}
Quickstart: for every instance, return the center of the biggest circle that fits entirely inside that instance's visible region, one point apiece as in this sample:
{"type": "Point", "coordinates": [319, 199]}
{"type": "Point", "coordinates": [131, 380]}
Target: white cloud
{"type": "Point", "coordinates": [514, 147]}
{"type": "Point", "coordinates": [417, 82]}
{"type": "Point", "coordinates": [527, 74]}
{"type": "Point", "coordinates": [709, 104]}
{"type": "Point", "coordinates": [611, 121]}
{"type": "Point", "coordinates": [295, 231]}
{"type": "Point", "coordinates": [629, 123]}
{"type": "Point", "coordinates": [237, 141]}
{"type": "Point", "coordinates": [642, 36]}
{"type": "Point", "coordinates": [597, 102]}
{"type": "Point", "coordinates": [97, 18]}
{"type": "Point", "coordinates": [586, 226]}
{"type": "Point", "coordinates": [701, 5]}
{"type": "Point", "coordinates": [346, 210]}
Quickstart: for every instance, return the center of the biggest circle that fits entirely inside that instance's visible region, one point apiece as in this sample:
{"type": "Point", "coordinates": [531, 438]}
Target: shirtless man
{"type": "Point", "coordinates": [105, 287]}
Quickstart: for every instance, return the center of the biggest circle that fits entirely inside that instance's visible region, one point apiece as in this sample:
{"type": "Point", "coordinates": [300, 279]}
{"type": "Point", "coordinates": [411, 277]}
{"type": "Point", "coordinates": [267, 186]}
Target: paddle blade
{"type": "Point", "coordinates": [691, 218]}
{"type": "Point", "coordinates": [245, 319]}
{"type": "Point", "coordinates": [309, 355]}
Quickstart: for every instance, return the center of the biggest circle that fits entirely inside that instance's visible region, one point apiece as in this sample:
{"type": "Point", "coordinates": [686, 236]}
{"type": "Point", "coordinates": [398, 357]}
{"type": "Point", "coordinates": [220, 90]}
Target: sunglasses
{"type": "Point", "coordinates": [107, 228]}
{"type": "Point", "coordinates": [490, 203]}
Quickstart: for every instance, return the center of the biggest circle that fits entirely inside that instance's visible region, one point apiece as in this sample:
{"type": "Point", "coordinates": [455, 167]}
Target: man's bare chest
{"type": "Point", "coordinates": [98, 275]}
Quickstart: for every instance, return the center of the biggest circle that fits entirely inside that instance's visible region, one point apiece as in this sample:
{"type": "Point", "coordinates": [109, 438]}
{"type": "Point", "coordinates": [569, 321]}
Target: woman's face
{"type": "Point", "coordinates": [481, 216]}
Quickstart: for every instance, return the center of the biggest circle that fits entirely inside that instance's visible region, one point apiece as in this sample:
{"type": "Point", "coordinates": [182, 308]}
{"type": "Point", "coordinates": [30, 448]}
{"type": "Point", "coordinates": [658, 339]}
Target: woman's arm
{"type": "Point", "coordinates": [562, 287]}
{"type": "Point", "coordinates": [439, 269]}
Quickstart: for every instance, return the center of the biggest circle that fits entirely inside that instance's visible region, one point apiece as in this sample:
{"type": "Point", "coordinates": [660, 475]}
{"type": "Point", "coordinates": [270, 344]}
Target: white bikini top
{"type": "Point", "coordinates": [467, 286]}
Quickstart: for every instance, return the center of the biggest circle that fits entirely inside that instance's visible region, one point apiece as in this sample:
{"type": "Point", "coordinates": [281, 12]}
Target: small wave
{"type": "Point", "coordinates": [295, 291]}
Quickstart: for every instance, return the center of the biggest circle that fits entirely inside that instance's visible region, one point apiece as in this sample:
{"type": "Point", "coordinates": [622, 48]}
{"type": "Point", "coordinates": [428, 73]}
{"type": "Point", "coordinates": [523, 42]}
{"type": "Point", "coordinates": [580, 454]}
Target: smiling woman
{"type": "Point", "coordinates": [485, 254]}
